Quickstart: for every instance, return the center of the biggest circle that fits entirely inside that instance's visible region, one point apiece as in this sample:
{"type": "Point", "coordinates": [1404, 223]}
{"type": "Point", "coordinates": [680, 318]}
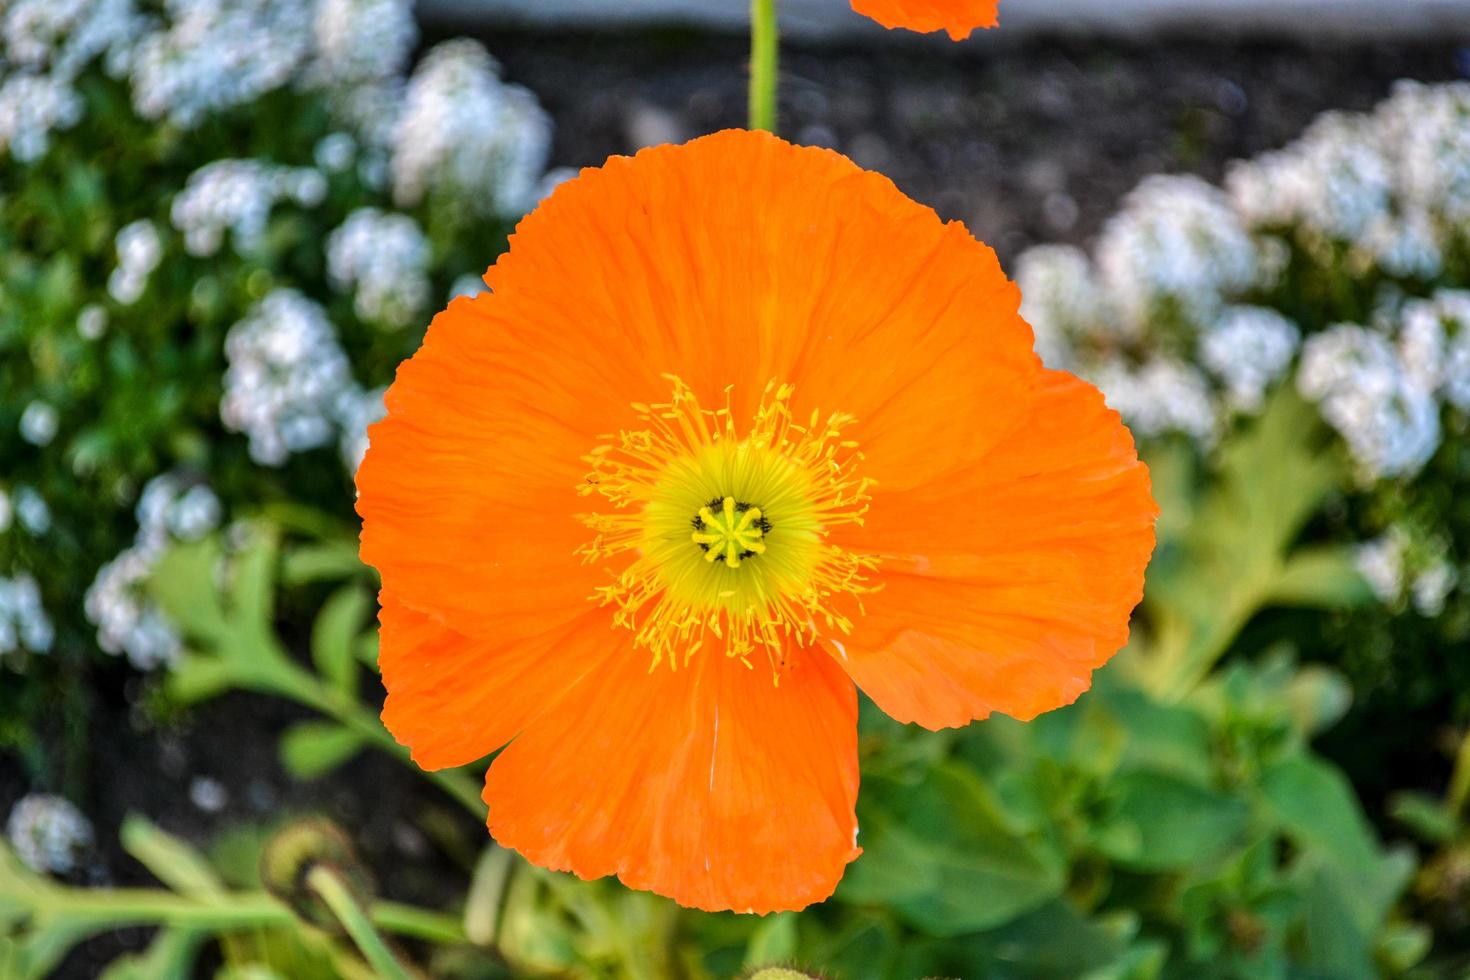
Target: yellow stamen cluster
{"type": "Point", "coordinates": [726, 532]}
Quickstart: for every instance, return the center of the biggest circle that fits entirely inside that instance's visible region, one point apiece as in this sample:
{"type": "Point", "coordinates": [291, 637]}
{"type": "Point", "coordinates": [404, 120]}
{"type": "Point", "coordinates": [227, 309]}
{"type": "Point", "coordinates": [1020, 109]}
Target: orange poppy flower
{"type": "Point", "coordinates": [737, 428]}
{"type": "Point", "coordinates": [957, 17]}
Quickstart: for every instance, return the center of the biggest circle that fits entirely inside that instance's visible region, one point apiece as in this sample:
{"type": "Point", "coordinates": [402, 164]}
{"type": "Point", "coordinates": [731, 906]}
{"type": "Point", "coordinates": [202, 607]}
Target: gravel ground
{"type": "Point", "coordinates": [1025, 144]}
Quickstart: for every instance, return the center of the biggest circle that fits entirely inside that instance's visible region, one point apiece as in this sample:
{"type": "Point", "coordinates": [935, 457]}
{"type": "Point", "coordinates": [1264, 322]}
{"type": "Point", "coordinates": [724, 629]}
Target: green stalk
{"type": "Point", "coordinates": [1459, 788]}
{"type": "Point", "coordinates": [334, 892]}
{"type": "Point", "coordinates": [764, 51]}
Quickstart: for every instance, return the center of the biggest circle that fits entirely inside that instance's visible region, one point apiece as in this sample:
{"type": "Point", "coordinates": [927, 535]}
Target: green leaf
{"type": "Point", "coordinates": [945, 856]}
{"type": "Point", "coordinates": [170, 956]}
{"type": "Point", "coordinates": [321, 562]}
{"type": "Point", "coordinates": [171, 861]}
{"type": "Point", "coordinates": [313, 748]}
{"type": "Point", "coordinates": [1325, 577]}
{"type": "Point", "coordinates": [1161, 822]}
{"type": "Point", "coordinates": [1314, 804]}
{"type": "Point", "coordinates": [182, 584]}
{"type": "Point", "coordinates": [773, 941]}
{"type": "Point", "coordinates": [1428, 818]}
{"type": "Point", "coordinates": [333, 634]}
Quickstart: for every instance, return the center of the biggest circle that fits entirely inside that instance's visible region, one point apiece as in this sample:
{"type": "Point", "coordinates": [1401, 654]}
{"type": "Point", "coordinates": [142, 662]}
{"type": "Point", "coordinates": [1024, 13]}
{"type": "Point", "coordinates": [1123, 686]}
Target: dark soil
{"type": "Point", "coordinates": [1025, 144]}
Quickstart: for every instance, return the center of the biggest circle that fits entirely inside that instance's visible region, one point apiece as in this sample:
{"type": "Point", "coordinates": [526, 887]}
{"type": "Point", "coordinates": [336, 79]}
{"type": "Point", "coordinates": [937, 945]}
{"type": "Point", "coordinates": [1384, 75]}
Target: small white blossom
{"type": "Point", "coordinates": [32, 511]}
{"type": "Point", "coordinates": [285, 374]}
{"type": "Point", "coordinates": [39, 423]}
{"type": "Point", "coordinates": [1248, 349]}
{"type": "Point", "coordinates": [1388, 419]}
{"type": "Point", "coordinates": [383, 259]}
{"type": "Point", "coordinates": [335, 152]}
{"type": "Point", "coordinates": [92, 321]}
{"type": "Point", "coordinates": [64, 36]}
{"type": "Point", "coordinates": [1381, 563]}
{"type": "Point", "coordinates": [1432, 587]}
{"type": "Point", "coordinates": [24, 624]}
{"type": "Point", "coordinates": [48, 833]}
{"type": "Point", "coordinates": [139, 250]}
{"type": "Point", "coordinates": [174, 507]}
{"type": "Point", "coordinates": [1176, 249]}
{"type": "Point", "coordinates": [467, 285]}
{"type": "Point", "coordinates": [32, 107]}
{"type": "Point", "coordinates": [465, 132]}
{"type": "Point", "coordinates": [236, 196]}
{"type": "Point", "coordinates": [356, 410]}
{"type": "Point", "coordinates": [1162, 396]}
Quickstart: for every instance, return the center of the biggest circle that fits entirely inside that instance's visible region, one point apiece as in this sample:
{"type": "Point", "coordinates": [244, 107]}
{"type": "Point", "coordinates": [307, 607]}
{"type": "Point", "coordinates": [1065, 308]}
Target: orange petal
{"type": "Point", "coordinates": [707, 784]}
{"type": "Point", "coordinates": [1006, 585]}
{"type": "Point", "coordinates": [453, 699]}
{"type": "Point", "coordinates": [957, 17]}
{"type": "Point", "coordinates": [468, 489]}
{"type": "Point", "coordinates": [738, 259]}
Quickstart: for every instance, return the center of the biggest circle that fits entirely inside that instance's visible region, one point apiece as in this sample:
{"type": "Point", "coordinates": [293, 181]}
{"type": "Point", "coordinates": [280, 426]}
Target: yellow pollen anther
{"type": "Point", "coordinates": [735, 533]}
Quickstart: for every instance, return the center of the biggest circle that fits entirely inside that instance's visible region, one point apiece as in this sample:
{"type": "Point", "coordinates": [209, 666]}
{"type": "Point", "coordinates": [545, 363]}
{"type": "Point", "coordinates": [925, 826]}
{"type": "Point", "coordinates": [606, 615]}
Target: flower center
{"type": "Point", "coordinates": [720, 536]}
{"type": "Point", "coordinates": [735, 531]}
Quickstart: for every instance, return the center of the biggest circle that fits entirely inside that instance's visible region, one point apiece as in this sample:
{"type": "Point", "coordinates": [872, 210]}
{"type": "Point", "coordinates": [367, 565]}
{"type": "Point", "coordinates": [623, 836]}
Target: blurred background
{"type": "Point", "coordinates": [224, 222]}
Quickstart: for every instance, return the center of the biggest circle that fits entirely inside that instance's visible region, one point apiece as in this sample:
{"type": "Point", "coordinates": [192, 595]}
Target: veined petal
{"type": "Point", "coordinates": [1006, 585]}
{"type": "Point", "coordinates": [708, 784]}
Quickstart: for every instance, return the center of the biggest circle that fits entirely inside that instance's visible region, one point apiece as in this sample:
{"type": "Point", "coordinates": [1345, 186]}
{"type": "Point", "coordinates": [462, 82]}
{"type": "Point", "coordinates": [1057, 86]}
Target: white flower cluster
{"type": "Point", "coordinates": [139, 250]}
{"type": "Point", "coordinates": [383, 259]}
{"type": "Point", "coordinates": [1164, 395]}
{"type": "Point", "coordinates": [286, 373]}
{"type": "Point", "coordinates": [31, 108]}
{"type": "Point", "coordinates": [215, 54]}
{"type": "Point", "coordinates": [1434, 342]}
{"type": "Point", "coordinates": [1164, 288]}
{"type": "Point", "coordinates": [1389, 421]}
{"type": "Point", "coordinates": [46, 43]}
{"type": "Point", "coordinates": [170, 508]}
{"type": "Point", "coordinates": [1176, 249]}
{"type": "Point", "coordinates": [362, 41]}
{"type": "Point", "coordinates": [236, 196]}
{"type": "Point", "coordinates": [48, 833]}
{"type": "Point", "coordinates": [1391, 186]}
{"type": "Point", "coordinates": [1392, 566]}
{"type": "Point", "coordinates": [1249, 348]}
{"type": "Point", "coordinates": [289, 387]}
{"type": "Point", "coordinates": [465, 132]}
{"type": "Point", "coordinates": [24, 624]}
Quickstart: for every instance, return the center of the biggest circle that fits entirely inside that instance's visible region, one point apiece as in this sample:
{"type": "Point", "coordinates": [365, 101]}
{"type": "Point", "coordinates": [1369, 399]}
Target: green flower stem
{"type": "Point", "coordinates": [764, 52]}
{"type": "Point", "coordinates": [417, 923]}
{"type": "Point", "coordinates": [119, 907]}
{"type": "Point", "coordinates": [332, 890]}
{"type": "Point", "coordinates": [1459, 789]}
